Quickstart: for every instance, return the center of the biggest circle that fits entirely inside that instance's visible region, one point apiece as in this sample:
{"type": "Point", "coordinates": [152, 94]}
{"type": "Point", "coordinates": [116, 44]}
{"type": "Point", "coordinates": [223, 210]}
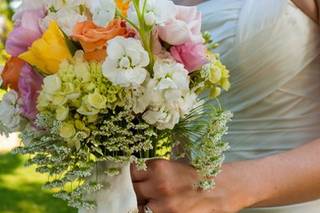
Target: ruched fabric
{"type": "Point", "coordinates": [273, 52]}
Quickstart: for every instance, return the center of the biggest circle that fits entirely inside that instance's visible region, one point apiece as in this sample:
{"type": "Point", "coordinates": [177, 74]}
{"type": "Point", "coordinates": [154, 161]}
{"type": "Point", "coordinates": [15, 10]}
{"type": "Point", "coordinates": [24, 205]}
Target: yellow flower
{"type": "Point", "coordinates": [97, 100]}
{"type": "Point", "coordinates": [123, 6]}
{"type": "Point", "coordinates": [67, 130]}
{"type": "Point", "coordinates": [49, 51]}
{"type": "Point", "coordinates": [62, 113]}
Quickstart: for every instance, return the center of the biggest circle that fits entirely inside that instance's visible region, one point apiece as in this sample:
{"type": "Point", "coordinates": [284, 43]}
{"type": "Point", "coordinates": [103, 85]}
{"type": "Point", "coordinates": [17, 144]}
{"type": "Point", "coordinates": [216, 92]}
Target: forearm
{"type": "Point", "coordinates": [284, 179]}
{"type": "Point", "coordinates": [309, 7]}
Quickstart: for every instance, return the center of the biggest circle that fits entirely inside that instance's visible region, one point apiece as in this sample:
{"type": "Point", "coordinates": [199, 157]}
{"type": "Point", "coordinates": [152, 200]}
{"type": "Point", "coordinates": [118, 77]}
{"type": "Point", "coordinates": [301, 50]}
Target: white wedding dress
{"type": "Point", "coordinates": [273, 52]}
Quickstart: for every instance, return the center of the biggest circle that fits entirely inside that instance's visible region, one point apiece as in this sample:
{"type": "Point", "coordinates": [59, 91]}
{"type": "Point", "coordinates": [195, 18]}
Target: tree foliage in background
{"type": "Point", "coordinates": [6, 24]}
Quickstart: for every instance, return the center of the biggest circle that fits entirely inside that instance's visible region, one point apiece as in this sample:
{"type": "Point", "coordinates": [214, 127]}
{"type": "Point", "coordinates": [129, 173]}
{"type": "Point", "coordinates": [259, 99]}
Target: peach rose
{"type": "Point", "coordinates": [93, 38]}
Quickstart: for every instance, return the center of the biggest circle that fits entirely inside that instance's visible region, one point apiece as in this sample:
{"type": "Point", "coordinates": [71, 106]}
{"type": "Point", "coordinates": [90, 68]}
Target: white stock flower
{"type": "Point", "coordinates": [163, 117]}
{"type": "Point", "coordinates": [59, 4]}
{"type": "Point", "coordinates": [165, 98]}
{"type": "Point", "coordinates": [126, 62]}
{"type": "Point", "coordinates": [187, 103]}
{"type": "Point", "coordinates": [146, 95]}
{"type": "Point", "coordinates": [66, 18]}
{"type": "Point", "coordinates": [156, 11]}
{"type": "Point", "coordinates": [56, 4]}
{"type": "Point", "coordinates": [172, 78]}
{"type": "Point", "coordinates": [103, 11]}
{"type": "Point", "coordinates": [10, 111]}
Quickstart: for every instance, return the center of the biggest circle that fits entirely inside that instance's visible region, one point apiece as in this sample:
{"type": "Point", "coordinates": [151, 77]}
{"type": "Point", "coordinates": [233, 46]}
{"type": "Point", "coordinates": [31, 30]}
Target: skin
{"type": "Point", "coordinates": [309, 7]}
{"type": "Point", "coordinates": [283, 179]}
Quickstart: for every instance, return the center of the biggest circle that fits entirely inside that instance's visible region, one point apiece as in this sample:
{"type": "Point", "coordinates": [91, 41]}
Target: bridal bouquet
{"type": "Point", "coordinates": [95, 85]}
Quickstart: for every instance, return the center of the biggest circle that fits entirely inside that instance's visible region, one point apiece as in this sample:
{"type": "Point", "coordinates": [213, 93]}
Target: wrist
{"type": "Point", "coordinates": [259, 187]}
{"type": "Point", "coordinates": [250, 184]}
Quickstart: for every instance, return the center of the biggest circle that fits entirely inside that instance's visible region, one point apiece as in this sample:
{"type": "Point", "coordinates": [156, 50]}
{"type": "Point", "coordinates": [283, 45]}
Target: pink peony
{"type": "Point", "coordinates": [30, 84]}
{"type": "Point", "coordinates": [26, 31]}
{"type": "Point", "coordinates": [192, 55]}
{"type": "Point", "coordinates": [186, 26]}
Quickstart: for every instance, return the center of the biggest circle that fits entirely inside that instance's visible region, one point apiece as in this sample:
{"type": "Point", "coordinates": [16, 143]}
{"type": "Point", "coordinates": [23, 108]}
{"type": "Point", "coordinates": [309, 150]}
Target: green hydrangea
{"type": "Point", "coordinates": [214, 77]}
{"type": "Point", "coordinates": [77, 95]}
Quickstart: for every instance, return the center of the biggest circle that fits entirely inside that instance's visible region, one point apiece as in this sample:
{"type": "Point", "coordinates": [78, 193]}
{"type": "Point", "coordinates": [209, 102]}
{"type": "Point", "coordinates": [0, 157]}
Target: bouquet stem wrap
{"type": "Point", "coordinates": [117, 194]}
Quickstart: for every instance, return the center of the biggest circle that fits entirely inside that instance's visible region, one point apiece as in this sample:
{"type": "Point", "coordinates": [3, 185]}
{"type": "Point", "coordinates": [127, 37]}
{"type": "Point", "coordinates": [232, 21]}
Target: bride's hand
{"type": "Point", "coordinates": [169, 187]}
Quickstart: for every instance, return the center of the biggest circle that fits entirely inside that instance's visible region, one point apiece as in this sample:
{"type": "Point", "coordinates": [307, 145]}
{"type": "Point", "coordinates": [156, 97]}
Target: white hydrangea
{"type": "Point", "coordinates": [126, 62]}
{"type": "Point", "coordinates": [10, 111]}
{"type": "Point", "coordinates": [156, 12]}
{"type": "Point", "coordinates": [166, 97]}
{"type": "Point", "coordinates": [103, 11]}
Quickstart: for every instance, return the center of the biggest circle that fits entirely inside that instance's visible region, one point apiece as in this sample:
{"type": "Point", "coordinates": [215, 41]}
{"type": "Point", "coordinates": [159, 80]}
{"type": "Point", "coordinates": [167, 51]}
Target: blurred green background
{"type": "Point", "coordinates": [20, 187]}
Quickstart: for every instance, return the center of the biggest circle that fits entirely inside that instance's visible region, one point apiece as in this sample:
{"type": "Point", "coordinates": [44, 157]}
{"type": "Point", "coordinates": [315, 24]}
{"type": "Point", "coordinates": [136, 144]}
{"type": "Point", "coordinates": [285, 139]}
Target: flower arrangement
{"type": "Point", "coordinates": [116, 81]}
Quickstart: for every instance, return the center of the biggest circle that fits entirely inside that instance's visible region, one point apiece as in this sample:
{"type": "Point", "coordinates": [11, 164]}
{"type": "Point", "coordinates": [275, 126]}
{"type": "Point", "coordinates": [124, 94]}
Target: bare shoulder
{"type": "Point", "coordinates": [309, 7]}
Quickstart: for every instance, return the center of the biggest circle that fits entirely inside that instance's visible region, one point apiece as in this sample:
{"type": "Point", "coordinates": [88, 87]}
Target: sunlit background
{"type": "Point", "coordinates": [20, 187]}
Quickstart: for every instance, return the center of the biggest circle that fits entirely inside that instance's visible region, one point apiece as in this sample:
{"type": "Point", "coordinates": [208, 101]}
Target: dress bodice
{"type": "Point", "coordinates": [272, 50]}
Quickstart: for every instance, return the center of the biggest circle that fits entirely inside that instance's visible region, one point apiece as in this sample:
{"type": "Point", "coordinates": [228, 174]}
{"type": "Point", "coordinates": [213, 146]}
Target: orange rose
{"type": "Point", "coordinates": [11, 73]}
{"type": "Point", "coordinates": [123, 6]}
{"type": "Point", "coordinates": [93, 38]}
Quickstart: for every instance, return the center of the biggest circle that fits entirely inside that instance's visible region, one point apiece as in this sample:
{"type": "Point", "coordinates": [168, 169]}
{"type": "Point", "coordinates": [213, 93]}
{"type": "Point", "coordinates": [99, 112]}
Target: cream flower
{"type": "Point", "coordinates": [66, 17]}
{"type": "Point", "coordinates": [162, 117]}
{"type": "Point", "coordinates": [59, 4]}
{"type": "Point", "coordinates": [126, 62]}
{"type": "Point", "coordinates": [67, 130]}
{"type": "Point", "coordinates": [103, 11]}
{"type": "Point", "coordinates": [146, 95]}
{"type": "Point", "coordinates": [10, 111]}
{"type": "Point", "coordinates": [51, 84]}
{"type": "Point", "coordinates": [188, 102]}
{"type": "Point", "coordinates": [156, 12]}
{"type": "Point", "coordinates": [172, 78]}
{"type": "Point", "coordinates": [92, 104]}
{"type": "Point", "coordinates": [62, 113]}
{"type": "Point", "coordinates": [166, 97]}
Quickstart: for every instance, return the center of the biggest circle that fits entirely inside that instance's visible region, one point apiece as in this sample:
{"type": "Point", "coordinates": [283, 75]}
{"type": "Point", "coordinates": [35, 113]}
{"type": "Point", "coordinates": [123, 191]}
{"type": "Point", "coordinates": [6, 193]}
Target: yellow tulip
{"type": "Point", "coordinates": [49, 51]}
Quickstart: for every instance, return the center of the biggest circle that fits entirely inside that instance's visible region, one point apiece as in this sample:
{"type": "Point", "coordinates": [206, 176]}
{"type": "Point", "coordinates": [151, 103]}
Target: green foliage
{"type": "Point", "coordinates": [20, 189]}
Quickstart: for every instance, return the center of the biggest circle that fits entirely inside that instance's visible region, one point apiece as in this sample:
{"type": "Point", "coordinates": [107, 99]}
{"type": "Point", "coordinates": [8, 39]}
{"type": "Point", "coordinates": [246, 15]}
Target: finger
{"type": "Point", "coordinates": [142, 202]}
{"type": "Point", "coordinates": [156, 207]}
{"type": "Point", "coordinates": [144, 190]}
{"type": "Point", "coordinates": [138, 175]}
{"type": "Point", "coordinates": [141, 208]}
